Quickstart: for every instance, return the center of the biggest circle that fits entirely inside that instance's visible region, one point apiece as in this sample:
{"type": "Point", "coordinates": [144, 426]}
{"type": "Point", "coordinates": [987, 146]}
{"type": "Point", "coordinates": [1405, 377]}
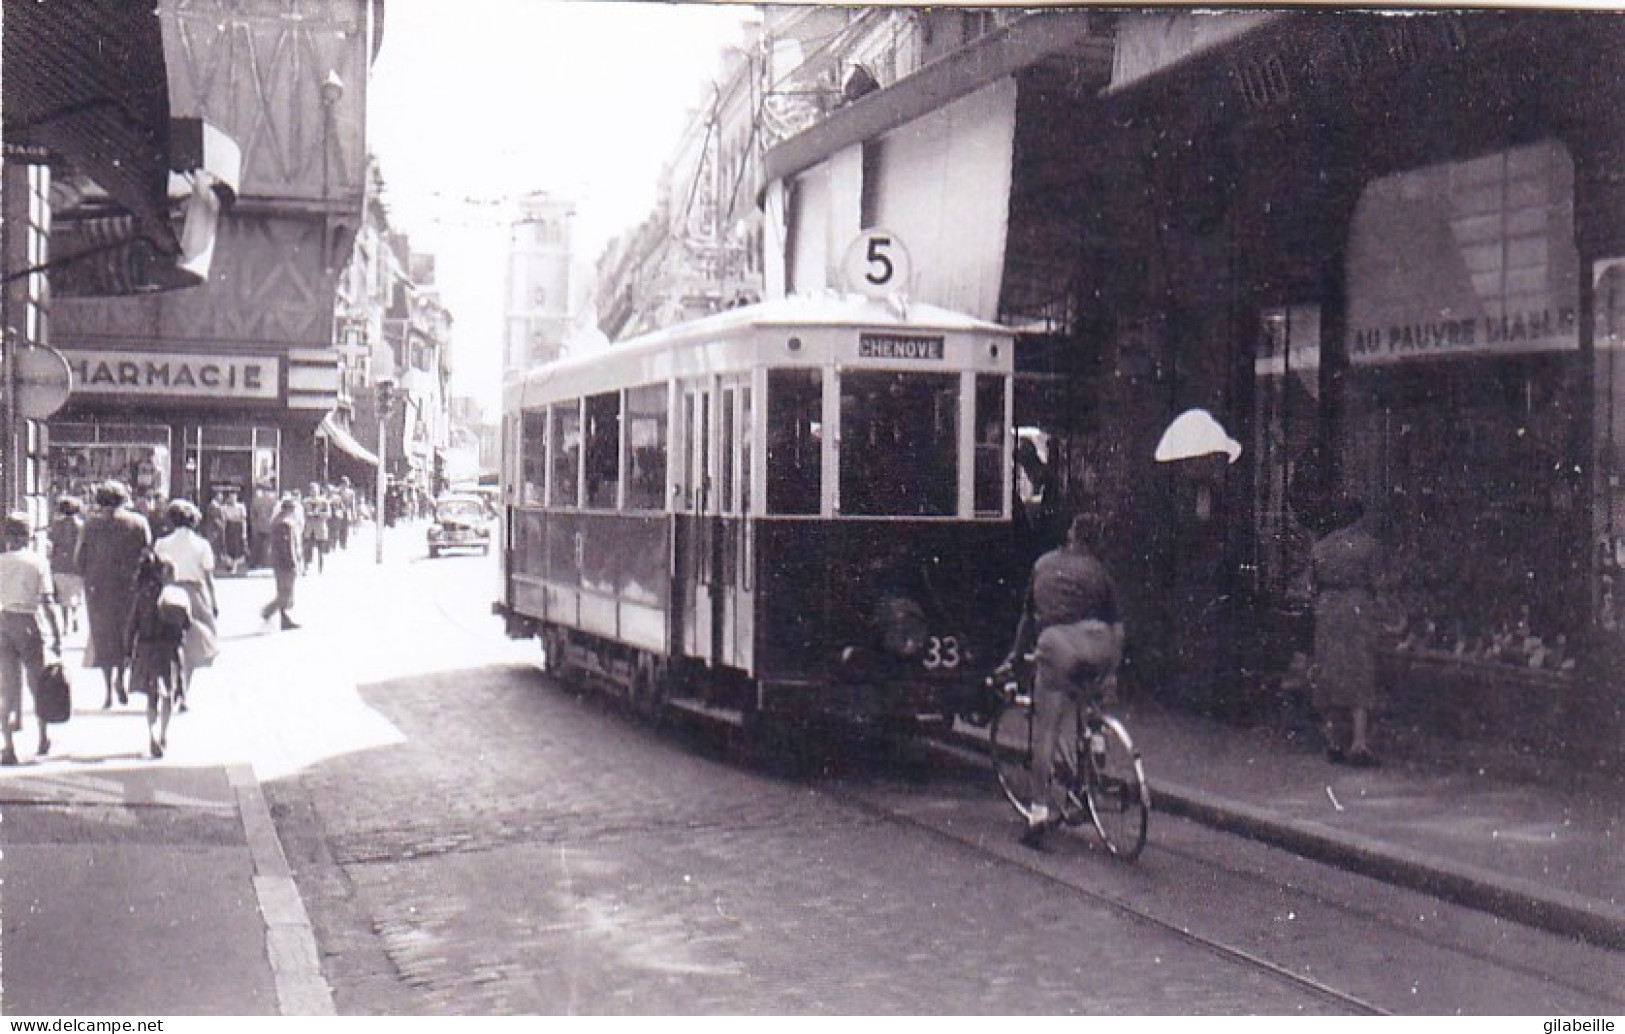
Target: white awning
{"type": "Point", "coordinates": [343, 440]}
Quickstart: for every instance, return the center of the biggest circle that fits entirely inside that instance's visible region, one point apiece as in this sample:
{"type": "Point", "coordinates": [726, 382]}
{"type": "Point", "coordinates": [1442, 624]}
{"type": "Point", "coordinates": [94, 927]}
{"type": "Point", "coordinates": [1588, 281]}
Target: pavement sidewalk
{"type": "Point", "coordinates": [1546, 851]}
{"type": "Point", "coordinates": [131, 886]}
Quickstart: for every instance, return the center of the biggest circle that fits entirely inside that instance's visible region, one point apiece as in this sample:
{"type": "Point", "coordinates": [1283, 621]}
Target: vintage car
{"type": "Point", "coordinates": [460, 522]}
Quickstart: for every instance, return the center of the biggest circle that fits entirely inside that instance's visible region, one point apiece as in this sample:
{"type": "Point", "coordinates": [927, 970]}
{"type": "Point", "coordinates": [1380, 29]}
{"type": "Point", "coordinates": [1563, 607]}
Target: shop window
{"type": "Point", "coordinates": [1290, 494]}
{"type": "Point", "coordinates": [1463, 403]}
{"type": "Point", "coordinates": [565, 443]}
{"type": "Point", "coordinates": [533, 457]}
{"type": "Point", "coordinates": [646, 448]}
{"type": "Point", "coordinates": [1608, 305]}
{"type": "Point", "coordinates": [80, 456]}
{"type": "Point", "coordinates": [990, 437]}
{"type": "Point", "coordinates": [795, 430]}
{"type": "Point", "coordinates": [899, 443]}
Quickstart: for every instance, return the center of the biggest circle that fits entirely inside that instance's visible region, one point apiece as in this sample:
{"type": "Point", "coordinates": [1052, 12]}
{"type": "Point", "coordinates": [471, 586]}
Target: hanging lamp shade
{"type": "Point", "coordinates": [1194, 433]}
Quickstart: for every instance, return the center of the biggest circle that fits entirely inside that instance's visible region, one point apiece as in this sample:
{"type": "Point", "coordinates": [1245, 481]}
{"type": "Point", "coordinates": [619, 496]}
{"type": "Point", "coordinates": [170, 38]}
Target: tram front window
{"type": "Point", "coordinates": [795, 427]}
{"type": "Point", "coordinates": [899, 444]}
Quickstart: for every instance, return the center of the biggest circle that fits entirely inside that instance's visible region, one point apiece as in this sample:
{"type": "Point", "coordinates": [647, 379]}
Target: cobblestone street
{"type": "Point", "coordinates": [525, 851]}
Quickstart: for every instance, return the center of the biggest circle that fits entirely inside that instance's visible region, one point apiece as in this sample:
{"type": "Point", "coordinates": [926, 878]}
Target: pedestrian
{"type": "Point", "coordinates": [285, 563]}
{"type": "Point", "coordinates": [110, 547]}
{"type": "Point", "coordinates": [1345, 570]}
{"type": "Point", "coordinates": [191, 562]}
{"type": "Point", "coordinates": [153, 636]}
{"type": "Point", "coordinates": [25, 595]}
{"type": "Point", "coordinates": [261, 512]}
{"type": "Point", "coordinates": [234, 533]}
{"type": "Point", "coordinates": [64, 533]}
{"type": "Point", "coordinates": [213, 525]}
{"type": "Point", "coordinates": [318, 512]}
{"type": "Point", "coordinates": [344, 513]}
{"type": "Point", "coordinates": [1071, 620]}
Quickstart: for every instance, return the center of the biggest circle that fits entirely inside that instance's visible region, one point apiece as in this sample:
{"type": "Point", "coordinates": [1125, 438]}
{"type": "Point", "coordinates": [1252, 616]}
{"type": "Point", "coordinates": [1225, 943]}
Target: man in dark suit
{"type": "Point", "coordinates": [285, 563]}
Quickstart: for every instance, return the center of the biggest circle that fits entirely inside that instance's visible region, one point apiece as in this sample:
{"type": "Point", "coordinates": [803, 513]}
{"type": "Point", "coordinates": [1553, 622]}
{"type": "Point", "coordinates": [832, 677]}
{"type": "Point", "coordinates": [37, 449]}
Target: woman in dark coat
{"type": "Point", "coordinates": [1345, 566]}
{"type": "Point", "coordinates": [110, 550]}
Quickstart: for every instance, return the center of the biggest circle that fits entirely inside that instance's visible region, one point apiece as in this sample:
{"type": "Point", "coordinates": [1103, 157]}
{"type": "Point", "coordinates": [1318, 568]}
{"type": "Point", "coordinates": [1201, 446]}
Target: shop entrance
{"type": "Point", "coordinates": [231, 459]}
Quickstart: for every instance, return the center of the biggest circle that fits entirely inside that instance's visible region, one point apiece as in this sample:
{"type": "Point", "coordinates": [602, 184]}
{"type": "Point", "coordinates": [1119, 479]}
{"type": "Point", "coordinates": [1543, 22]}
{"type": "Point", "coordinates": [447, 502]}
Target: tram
{"type": "Point", "coordinates": [794, 510]}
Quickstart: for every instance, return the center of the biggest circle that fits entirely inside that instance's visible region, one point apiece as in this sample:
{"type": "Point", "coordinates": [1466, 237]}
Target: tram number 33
{"type": "Point", "coordinates": [941, 652]}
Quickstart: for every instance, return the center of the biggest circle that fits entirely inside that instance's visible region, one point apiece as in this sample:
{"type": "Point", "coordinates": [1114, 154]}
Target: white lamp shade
{"type": "Point", "coordinates": [1195, 433]}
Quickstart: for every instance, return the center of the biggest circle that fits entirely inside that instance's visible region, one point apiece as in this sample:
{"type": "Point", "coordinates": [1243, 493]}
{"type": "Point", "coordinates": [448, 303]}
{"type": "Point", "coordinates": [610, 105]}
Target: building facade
{"type": "Point", "coordinates": [100, 201]}
{"type": "Point", "coordinates": [225, 385]}
{"type": "Point", "coordinates": [1383, 252]}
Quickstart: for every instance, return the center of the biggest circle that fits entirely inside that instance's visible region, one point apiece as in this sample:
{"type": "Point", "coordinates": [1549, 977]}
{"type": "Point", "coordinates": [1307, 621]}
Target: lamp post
{"type": "Point", "coordinates": [385, 403]}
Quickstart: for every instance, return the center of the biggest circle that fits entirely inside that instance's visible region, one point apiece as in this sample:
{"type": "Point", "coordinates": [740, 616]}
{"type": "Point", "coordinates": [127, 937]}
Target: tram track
{"type": "Point", "coordinates": [1011, 854]}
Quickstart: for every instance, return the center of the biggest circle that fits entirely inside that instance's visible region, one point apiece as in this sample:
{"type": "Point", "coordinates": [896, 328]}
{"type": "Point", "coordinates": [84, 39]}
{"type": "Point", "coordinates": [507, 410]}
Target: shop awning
{"type": "Point", "coordinates": [344, 441]}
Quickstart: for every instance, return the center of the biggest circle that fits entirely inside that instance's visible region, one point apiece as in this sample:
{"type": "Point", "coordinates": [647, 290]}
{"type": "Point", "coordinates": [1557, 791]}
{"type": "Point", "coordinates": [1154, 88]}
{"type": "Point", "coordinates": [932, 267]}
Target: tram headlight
{"type": "Point", "coordinates": [902, 627]}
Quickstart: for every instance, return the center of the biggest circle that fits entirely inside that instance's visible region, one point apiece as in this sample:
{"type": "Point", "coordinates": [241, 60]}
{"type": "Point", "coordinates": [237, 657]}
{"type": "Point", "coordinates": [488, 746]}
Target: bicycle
{"type": "Point", "coordinates": [1109, 789]}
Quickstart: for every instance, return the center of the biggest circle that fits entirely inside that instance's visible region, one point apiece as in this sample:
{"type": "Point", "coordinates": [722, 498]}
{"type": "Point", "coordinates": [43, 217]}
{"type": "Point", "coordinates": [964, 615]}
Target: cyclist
{"type": "Point", "coordinates": [1071, 617]}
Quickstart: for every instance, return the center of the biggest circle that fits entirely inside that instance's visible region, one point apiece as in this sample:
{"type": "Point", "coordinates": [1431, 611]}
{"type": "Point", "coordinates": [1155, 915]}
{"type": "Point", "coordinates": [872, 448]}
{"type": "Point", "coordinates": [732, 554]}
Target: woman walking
{"type": "Point", "coordinates": [191, 559]}
{"type": "Point", "coordinates": [1345, 570]}
{"type": "Point", "coordinates": [110, 548]}
{"type": "Point", "coordinates": [63, 535]}
{"type": "Point", "coordinates": [25, 594]}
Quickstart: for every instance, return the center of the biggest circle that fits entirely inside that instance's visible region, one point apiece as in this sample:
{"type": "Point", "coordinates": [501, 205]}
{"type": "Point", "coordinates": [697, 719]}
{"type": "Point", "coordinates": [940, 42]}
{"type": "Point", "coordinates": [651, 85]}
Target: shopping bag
{"type": "Point", "coordinates": [53, 698]}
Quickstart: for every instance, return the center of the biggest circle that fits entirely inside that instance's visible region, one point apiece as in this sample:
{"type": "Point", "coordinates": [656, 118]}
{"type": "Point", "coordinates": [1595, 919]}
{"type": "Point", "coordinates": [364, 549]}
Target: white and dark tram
{"type": "Point", "coordinates": [793, 510]}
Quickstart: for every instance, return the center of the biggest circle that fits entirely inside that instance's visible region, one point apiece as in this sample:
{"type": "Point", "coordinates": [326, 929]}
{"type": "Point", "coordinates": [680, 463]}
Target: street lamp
{"type": "Point", "coordinates": [385, 387]}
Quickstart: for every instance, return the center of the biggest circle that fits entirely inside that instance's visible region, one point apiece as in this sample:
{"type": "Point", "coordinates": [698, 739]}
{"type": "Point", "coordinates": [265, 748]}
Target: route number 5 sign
{"type": "Point", "coordinates": [877, 264]}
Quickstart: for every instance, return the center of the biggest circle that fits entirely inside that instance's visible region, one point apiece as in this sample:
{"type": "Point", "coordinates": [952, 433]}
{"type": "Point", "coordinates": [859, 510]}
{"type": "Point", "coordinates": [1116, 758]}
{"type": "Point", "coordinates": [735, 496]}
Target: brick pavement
{"type": "Point", "coordinates": [585, 865]}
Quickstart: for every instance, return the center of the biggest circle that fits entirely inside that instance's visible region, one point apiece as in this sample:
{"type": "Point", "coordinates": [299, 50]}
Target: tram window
{"type": "Point", "coordinates": [726, 451]}
{"type": "Point", "coordinates": [746, 435]}
{"type": "Point", "coordinates": [646, 448]}
{"type": "Point", "coordinates": [795, 429]}
{"type": "Point", "coordinates": [566, 454]}
{"type": "Point", "coordinates": [899, 443]}
{"type": "Point", "coordinates": [990, 432]}
{"type": "Point", "coordinates": [603, 451]}
{"type": "Point", "coordinates": [533, 455]}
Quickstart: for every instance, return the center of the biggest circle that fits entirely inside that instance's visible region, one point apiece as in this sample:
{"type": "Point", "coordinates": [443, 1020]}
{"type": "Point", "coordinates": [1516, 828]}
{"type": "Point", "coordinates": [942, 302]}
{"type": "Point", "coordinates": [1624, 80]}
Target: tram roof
{"type": "Point", "coordinates": [799, 311]}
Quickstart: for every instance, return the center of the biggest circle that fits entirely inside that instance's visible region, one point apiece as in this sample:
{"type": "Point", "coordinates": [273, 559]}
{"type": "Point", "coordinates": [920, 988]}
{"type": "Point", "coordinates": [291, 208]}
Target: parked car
{"type": "Point", "coordinates": [461, 521]}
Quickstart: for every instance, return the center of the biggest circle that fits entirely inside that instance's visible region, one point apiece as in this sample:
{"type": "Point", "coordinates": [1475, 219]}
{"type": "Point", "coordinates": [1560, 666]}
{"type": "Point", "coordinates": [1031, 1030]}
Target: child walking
{"type": "Point", "coordinates": [153, 643]}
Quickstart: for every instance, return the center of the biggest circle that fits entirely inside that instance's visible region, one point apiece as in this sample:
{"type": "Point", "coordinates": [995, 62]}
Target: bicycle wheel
{"type": "Point", "coordinates": [1119, 796]}
{"type": "Point", "coordinates": [1010, 743]}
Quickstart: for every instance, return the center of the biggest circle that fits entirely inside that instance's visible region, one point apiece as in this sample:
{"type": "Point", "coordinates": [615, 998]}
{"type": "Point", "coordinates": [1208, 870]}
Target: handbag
{"type": "Point", "coordinates": [175, 605]}
{"type": "Point", "coordinates": [53, 697]}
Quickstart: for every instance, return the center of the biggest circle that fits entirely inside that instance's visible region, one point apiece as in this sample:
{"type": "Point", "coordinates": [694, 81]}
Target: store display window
{"type": "Point", "coordinates": [80, 456]}
{"type": "Point", "coordinates": [1463, 402]}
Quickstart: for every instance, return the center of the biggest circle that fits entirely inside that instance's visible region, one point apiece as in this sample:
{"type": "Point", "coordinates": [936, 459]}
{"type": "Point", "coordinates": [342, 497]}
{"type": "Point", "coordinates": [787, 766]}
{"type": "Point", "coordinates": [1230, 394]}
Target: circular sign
{"type": "Point", "coordinates": [43, 381]}
{"type": "Point", "coordinates": [876, 264]}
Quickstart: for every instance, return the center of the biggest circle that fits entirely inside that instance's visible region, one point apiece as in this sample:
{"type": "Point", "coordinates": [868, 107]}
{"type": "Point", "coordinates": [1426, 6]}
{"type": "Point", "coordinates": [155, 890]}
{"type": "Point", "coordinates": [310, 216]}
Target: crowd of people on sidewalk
{"type": "Point", "coordinates": [145, 586]}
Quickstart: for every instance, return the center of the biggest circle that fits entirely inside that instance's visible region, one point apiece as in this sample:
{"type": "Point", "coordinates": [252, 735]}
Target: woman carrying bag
{"type": "Point", "coordinates": [191, 558]}
{"type": "Point", "coordinates": [25, 596]}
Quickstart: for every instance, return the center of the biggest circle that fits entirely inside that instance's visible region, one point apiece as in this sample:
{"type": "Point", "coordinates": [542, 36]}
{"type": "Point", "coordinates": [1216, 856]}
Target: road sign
{"type": "Point", "coordinates": [43, 381]}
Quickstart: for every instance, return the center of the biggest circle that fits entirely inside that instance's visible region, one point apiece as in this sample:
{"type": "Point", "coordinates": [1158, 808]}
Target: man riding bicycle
{"type": "Point", "coordinates": [1071, 615]}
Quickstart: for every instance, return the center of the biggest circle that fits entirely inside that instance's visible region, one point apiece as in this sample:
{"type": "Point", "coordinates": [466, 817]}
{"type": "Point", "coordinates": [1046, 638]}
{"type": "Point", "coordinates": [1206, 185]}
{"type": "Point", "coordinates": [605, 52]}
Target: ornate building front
{"type": "Point", "coordinates": [226, 384]}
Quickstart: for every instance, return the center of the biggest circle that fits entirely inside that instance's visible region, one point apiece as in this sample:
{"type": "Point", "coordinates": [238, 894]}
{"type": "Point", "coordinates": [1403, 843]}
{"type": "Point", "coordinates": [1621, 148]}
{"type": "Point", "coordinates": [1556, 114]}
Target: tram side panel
{"type": "Point", "coordinates": [605, 574]}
